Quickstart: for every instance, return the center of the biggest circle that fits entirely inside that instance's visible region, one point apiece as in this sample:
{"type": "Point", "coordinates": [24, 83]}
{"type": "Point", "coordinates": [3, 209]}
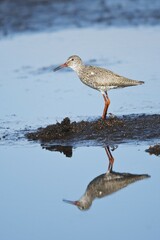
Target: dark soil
{"type": "Point", "coordinates": [19, 16]}
{"type": "Point", "coordinates": [154, 149]}
{"type": "Point", "coordinates": [113, 130]}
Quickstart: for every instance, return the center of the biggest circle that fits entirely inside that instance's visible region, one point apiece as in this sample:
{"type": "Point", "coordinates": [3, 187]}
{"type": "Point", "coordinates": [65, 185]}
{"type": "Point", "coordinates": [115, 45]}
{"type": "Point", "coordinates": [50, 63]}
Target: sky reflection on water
{"type": "Point", "coordinates": [128, 52]}
{"type": "Point", "coordinates": [33, 181]}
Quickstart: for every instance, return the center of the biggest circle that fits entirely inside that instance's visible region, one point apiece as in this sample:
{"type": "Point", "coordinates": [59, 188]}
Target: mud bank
{"type": "Point", "coordinates": [17, 16]}
{"type": "Point", "coordinates": [154, 150]}
{"type": "Point", "coordinates": [114, 129]}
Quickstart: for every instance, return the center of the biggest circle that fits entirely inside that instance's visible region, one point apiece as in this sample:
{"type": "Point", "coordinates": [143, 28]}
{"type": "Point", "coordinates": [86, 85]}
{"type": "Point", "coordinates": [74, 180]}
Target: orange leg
{"type": "Point", "coordinates": [106, 105]}
{"type": "Point", "coordinates": [111, 159]}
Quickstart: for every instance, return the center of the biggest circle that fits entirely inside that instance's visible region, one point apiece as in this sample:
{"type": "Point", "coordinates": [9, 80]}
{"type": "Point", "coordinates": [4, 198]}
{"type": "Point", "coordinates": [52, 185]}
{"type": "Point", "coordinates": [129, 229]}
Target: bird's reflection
{"type": "Point", "coordinates": [106, 184]}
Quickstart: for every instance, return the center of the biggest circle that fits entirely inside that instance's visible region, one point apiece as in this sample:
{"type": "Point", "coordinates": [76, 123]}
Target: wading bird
{"type": "Point", "coordinates": [98, 78]}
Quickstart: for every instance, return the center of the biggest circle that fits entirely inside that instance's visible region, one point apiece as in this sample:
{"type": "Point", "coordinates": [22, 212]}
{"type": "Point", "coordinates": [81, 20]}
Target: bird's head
{"type": "Point", "coordinates": [73, 62]}
{"type": "Point", "coordinates": [82, 205]}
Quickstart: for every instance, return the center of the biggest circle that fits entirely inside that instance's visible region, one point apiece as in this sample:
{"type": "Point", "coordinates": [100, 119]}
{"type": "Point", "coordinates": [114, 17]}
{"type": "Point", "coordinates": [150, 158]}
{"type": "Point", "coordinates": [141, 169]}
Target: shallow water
{"type": "Point", "coordinates": [31, 92]}
{"type": "Point", "coordinates": [33, 181]}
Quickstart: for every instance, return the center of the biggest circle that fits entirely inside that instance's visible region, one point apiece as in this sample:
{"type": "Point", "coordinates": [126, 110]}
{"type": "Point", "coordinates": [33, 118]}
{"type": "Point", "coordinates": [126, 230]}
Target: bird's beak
{"type": "Point", "coordinates": [76, 203]}
{"type": "Point", "coordinates": [61, 66]}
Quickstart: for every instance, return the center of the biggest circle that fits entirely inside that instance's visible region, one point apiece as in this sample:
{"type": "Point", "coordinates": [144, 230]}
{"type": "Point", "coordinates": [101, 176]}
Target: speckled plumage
{"type": "Point", "coordinates": [103, 80]}
{"type": "Point", "coordinates": [106, 184]}
{"type": "Point", "coordinates": [98, 78]}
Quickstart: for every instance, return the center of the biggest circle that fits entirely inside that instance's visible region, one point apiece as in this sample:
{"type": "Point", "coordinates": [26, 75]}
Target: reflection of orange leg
{"type": "Point", "coordinates": [106, 105]}
{"type": "Point", "coordinates": [111, 159]}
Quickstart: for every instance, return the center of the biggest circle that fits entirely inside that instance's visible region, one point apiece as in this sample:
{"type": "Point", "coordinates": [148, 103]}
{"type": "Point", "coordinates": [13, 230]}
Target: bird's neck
{"type": "Point", "coordinates": [88, 197]}
{"type": "Point", "coordinates": [78, 69]}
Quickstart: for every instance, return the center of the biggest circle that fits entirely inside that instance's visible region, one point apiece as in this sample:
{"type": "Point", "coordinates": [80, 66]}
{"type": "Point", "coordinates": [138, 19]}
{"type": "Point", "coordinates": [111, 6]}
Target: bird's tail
{"type": "Point", "coordinates": [140, 82]}
{"type": "Point", "coordinates": [133, 82]}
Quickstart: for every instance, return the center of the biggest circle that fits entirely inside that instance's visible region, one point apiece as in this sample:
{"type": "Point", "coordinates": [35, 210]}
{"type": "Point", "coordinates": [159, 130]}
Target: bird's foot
{"type": "Point", "coordinates": [104, 117]}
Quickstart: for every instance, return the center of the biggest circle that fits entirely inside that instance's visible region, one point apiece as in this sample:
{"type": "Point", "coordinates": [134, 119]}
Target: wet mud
{"type": "Point", "coordinates": [17, 16]}
{"type": "Point", "coordinates": [113, 130]}
{"type": "Point", "coordinates": [154, 150]}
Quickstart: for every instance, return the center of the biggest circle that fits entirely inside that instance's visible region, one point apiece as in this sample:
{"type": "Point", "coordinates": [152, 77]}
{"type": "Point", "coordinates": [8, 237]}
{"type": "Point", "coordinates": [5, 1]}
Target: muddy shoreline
{"type": "Point", "coordinates": [33, 16]}
{"type": "Point", "coordinates": [114, 129]}
{"type": "Point", "coordinates": [154, 150]}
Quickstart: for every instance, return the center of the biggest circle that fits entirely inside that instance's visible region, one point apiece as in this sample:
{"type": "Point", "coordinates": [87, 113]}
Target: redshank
{"type": "Point", "coordinates": [105, 184]}
{"type": "Point", "coordinates": [98, 78]}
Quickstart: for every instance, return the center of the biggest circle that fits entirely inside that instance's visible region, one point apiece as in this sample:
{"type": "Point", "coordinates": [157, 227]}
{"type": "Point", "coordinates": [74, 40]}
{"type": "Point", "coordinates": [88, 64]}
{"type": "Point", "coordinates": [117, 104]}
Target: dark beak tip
{"type": "Point", "coordinates": [56, 69]}
{"type": "Point", "coordinates": [70, 202]}
{"type": "Point", "coordinates": [59, 67]}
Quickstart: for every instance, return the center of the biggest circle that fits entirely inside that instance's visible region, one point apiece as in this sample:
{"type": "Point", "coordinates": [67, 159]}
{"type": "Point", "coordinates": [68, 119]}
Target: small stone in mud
{"type": "Point", "coordinates": [154, 149]}
{"type": "Point", "coordinates": [65, 124]}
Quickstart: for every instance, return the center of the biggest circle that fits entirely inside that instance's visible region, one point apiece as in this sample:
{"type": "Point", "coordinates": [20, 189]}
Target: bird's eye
{"type": "Point", "coordinates": [72, 59]}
